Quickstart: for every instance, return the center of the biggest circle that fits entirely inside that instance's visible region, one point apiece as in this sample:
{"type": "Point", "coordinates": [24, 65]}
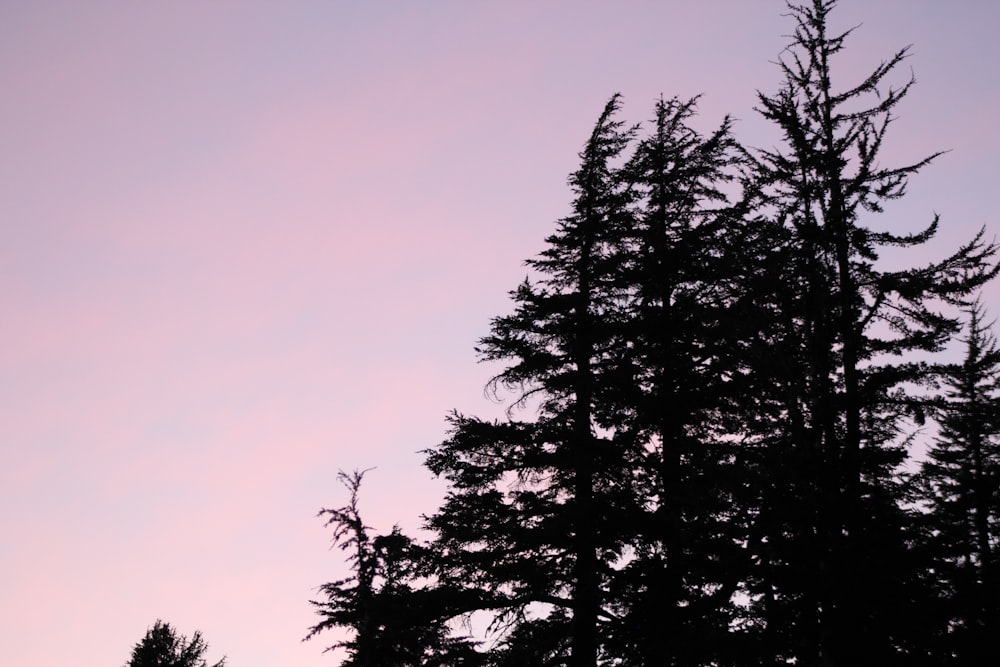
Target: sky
{"type": "Point", "coordinates": [244, 245]}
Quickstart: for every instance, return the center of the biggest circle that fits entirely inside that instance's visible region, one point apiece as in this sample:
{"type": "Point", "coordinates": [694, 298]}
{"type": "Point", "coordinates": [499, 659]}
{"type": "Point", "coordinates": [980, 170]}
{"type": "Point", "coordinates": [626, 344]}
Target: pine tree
{"type": "Point", "coordinates": [527, 521]}
{"type": "Point", "coordinates": [680, 263]}
{"type": "Point", "coordinates": [832, 544]}
{"type": "Point", "coordinates": [163, 647]}
{"type": "Point", "coordinates": [389, 606]}
{"type": "Point", "coordinates": [962, 480]}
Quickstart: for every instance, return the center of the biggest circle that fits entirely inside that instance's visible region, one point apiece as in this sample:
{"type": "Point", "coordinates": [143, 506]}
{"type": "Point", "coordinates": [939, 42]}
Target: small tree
{"type": "Point", "coordinates": [392, 618]}
{"type": "Point", "coordinates": [163, 647]}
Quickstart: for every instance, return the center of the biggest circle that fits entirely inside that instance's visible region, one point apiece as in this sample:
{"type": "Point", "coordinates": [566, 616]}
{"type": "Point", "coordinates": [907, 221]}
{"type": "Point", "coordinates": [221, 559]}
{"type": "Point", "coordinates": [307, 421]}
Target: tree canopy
{"type": "Point", "coordinates": [716, 385]}
{"type": "Point", "coordinates": [162, 646]}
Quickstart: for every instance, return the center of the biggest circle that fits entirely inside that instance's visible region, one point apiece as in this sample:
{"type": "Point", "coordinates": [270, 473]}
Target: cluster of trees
{"type": "Point", "coordinates": [717, 391]}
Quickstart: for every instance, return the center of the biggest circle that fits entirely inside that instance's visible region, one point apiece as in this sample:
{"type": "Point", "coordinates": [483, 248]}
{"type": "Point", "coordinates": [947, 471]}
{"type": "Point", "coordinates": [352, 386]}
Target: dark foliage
{"type": "Point", "coordinates": [163, 647]}
{"type": "Point", "coordinates": [676, 396]}
{"type": "Point", "coordinates": [961, 480]}
{"type": "Point", "coordinates": [535, 502]}
{"type": "Point", "coordinates": [715, 382]}
{"type": "Point", "coordinates": [834, 537]}
{"type": "Point", "coordinates": [391, 618]}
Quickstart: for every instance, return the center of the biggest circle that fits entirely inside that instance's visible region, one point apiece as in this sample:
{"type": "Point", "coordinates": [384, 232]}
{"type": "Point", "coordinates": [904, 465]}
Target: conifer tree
{"type": "Point", "coordinates": [527, 521]}
{"type": "Point", "coordinates": [163, 647]}
{"type": "Point", "coordinates": [679, 266]}
{"type": "Point", "coordinates": [388, 605]}
{"type": "Point", "coordinates": [834, 549]}
{"type": "Point", "coordinates": [962, 480]}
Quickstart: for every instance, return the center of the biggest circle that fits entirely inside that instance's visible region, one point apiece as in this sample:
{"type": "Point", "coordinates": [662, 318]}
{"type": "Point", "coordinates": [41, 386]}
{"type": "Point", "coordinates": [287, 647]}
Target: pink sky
{"type": "Point", "coordinates": [246, 244]}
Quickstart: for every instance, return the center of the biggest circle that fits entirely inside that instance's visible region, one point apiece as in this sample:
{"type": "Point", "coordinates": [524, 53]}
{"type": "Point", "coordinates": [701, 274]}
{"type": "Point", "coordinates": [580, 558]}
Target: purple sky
{"type": "Point", "coordinates": [246, 244]}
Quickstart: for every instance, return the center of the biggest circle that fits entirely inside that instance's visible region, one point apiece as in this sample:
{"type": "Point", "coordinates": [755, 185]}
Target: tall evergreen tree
{"type": "Point", "coordinates": [962, 480]}
{"type": "Point", "coordinates": [834, 545]}
{"type": "Point", "coordinates": [626, 344]}
{"type": "Point", "coordinates": [679, 266]}
{"type": "Point", "coordinates": [528, 517]}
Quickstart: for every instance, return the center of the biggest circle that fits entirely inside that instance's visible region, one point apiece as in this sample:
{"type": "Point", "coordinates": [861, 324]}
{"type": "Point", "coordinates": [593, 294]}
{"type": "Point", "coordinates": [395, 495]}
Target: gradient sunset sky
{"type": "Point", "coordinates": [246, 244]}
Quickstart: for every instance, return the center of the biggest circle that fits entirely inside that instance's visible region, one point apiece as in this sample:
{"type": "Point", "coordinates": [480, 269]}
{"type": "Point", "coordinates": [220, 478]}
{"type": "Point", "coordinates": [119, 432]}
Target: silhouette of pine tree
{"type": "Point", "coordinates": [961, 478]}
{"type": "Point", "coordinates": [833, 544]}
{"type": "Point", "coordinates": [676, 399]}
{"type": "Point", "coordinates": [528, 516]}
{"type": "Point", "coordinates": [163, 647]}
{"type": "Point", "coordinates": [392, 614]}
